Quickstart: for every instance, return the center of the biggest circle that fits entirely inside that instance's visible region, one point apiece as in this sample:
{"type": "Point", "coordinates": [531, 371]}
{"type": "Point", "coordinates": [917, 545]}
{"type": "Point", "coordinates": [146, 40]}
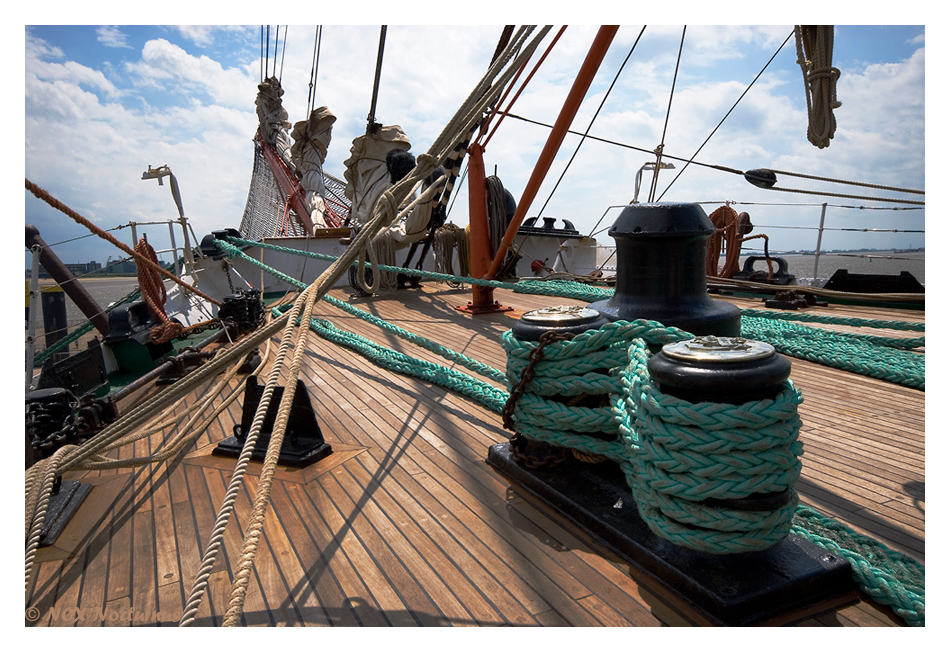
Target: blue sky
{"type": "Point", "coordinates": [102, 103]}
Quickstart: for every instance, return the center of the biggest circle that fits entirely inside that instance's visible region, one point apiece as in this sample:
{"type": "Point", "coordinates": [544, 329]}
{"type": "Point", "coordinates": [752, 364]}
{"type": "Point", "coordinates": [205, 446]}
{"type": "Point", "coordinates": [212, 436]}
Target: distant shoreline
{"type": "Point", "coordinates": [86, 279]}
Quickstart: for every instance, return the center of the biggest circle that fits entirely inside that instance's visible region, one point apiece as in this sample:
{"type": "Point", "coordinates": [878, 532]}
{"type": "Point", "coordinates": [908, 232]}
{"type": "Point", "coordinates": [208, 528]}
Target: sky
{"type": "Point", "coordinates": [103, 103]}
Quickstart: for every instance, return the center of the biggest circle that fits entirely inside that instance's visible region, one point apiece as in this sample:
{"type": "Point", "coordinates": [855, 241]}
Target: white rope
{"type": "Point", "coordinates": [384, 212]}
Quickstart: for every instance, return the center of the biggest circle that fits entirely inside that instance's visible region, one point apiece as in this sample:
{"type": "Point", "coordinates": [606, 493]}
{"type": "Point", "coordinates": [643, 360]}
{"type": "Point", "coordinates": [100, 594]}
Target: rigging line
{"type": "Point", "coordinates": [625, 145]}
{"type": "Point", "coordinates": [282, 53]}
{"type": "Point", "coordinates": [659, 149]}
{"type": "Point", "coordinates": [852, 183]}
{"type": "Point", "coordinates": [276, 44]}
{"type": "Point", "coordinates": [589, 126]}
{"type": "Point", "coordinates": [371, 118]}
{"type": "Point", "coordinates": [517, 94]}
{"type": "Point", "coordinates": [267, 55]}
{"type": "Point", "coordinates": [261, 67]}
{"type": "Point", "coordinates": [503, 41]}
{"type": "Point", "coordinates": [82, 237]}
{"type": "Point", "coordinates": [813, 204]}
{"type": "Point", "coordinates": [724, 168]}
{"type": "Point", "coordinates": [317, 37]}
{"type": "Point", "coordinates": [728, 113]}
{"type": "Point", "coordinates": [276, 47]}
{"type": "Point", "coordinates": [844, 196]}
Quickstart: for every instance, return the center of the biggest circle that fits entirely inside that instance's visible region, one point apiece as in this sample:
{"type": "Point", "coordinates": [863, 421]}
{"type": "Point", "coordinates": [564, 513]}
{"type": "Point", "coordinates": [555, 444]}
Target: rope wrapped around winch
{"type": "Point", "coordinates": [675, 454]}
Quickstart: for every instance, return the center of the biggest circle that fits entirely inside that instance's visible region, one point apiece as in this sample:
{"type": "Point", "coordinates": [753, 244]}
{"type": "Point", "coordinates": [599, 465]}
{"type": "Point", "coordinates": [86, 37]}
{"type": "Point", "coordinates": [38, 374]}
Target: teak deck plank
{"type": "Point", "coordinates": [405, 524]}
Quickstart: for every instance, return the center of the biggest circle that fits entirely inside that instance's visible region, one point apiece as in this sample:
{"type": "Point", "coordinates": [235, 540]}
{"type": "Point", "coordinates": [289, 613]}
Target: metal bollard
{"type": "Point", "coordinates": [559, 320]}
{"type": "Point", "coordinates": [661, 271]}
{"type": "Point", "coordinates": [55, 327]}
{"type": "Point", "coordinates": [729, 370]}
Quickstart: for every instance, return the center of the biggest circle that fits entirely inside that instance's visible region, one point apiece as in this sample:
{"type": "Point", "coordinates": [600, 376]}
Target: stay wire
{"type": "Point", "coordinates": [724, 168]}
{"type": "Point", "coordinates": [728, 113]}
{"type": "Point", "coordinates": [282, 53]}
{"type": "Point", "coordinates": [314, 67]}
{"type": "Point", "coordinates": [267, 54]}
{"type": "Point", "coordinates": [666, 122]}
{"type": "Point", "coordinates": [371, 118]}
{"type": "Point", "coordinates": [590, 126]}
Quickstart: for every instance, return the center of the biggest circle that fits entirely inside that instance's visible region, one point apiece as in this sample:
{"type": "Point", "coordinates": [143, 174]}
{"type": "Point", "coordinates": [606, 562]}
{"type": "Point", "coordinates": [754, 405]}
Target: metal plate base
{"type": "Point", "coordinates": [61, 507]}
{"type": "Point", "coordinates": [290, 455]}
{"type": "Point", "coordinates": [795, 578]}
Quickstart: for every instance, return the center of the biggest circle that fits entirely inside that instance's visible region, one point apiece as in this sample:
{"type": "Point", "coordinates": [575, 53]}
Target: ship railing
{"type": "Point", "coordinates": [186, 257]}
{"type": "Point", "coordinates": [608, 262]}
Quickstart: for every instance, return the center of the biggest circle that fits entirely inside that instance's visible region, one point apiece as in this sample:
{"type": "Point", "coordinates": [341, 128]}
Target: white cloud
{"type": "Point", "coordinates": [111, 36]}
{"type": "Point", "coordinates": [82, 142]}
{"type": "Point", "coordinates": [41, 65]}
{"type": "Point", "coordinates": [167, 66]}
{"type": "Point", "coordinates": [198, 34]}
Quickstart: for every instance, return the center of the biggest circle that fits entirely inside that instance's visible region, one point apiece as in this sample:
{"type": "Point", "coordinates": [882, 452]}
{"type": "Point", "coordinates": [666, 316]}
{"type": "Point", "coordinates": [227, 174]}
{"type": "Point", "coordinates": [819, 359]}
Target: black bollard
{"type": "Point", "coordinates": [560, 320]}
{"type": "Point", "coordinates": [661, 271]}
{"type": "Point", "coordinates": [730, 370]}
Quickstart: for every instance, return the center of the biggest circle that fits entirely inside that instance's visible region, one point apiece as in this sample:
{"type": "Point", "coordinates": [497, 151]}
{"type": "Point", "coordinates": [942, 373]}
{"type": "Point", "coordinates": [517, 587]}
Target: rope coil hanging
{"type": "Point", "coordinates": [154, 294]}
{"type": "Point", "coordinates": [730, 227]}
{"type": "Point", "coordinates": [813, 44]}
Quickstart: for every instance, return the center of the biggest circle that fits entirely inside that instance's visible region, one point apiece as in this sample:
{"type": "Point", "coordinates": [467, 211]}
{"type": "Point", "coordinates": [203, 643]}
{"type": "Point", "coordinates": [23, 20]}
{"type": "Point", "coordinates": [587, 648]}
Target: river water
{"type": "Point", "coordinates": [803, 265]}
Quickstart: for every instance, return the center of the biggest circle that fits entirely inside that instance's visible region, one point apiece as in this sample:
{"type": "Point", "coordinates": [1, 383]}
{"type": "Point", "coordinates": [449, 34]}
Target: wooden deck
{"type": "Point", "coordinates": [406, 525]}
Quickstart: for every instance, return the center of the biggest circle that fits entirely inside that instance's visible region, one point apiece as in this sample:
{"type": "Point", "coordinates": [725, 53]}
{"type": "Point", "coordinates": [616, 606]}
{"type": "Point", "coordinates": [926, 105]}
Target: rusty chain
{"type": "Point", "coordinates": [518, 443]}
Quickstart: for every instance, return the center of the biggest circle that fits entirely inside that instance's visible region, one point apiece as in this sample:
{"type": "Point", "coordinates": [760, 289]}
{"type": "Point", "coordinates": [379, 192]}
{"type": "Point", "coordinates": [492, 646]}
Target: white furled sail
{"type": "Point", "coordinates": [311, 138]}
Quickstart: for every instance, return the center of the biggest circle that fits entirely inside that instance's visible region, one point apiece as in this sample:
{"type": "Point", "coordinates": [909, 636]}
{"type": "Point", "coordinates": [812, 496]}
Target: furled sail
{"type": "Point", "coordinates": [366, 174]}
{"type": "Point", "coordinates": [311, 138]}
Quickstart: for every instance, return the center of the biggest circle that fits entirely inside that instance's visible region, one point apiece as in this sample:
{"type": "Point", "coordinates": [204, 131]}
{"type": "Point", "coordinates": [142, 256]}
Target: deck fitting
{"type": "Point", "coordinates": [63, 503]}
{"type": "Point", "coordinates": [303, 442]}
{"type": "Point", "coordinates": [791, 581]}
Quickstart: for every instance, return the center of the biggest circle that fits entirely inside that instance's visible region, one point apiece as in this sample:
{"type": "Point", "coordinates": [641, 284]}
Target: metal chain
{"type": "Point", "coordinates": [527, 374]}
{"type": "Point", "coordinates": [519, 444]}
{"type": "Point", "coordinates": [227, 271]}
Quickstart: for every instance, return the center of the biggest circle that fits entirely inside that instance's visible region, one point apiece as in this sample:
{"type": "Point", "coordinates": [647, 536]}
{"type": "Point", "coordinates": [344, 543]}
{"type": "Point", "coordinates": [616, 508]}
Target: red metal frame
{"type": "Point", "coordinates": [482, 297]}
{"type": "Point", "coordinates": [289, 185]}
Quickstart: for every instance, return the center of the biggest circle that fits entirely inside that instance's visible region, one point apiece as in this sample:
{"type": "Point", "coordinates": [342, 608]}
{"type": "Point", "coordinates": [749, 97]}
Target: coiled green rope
{"type": "Point", "coordinates": [687, 452]}
{"type": "Point", "coordinates": [675, 454]}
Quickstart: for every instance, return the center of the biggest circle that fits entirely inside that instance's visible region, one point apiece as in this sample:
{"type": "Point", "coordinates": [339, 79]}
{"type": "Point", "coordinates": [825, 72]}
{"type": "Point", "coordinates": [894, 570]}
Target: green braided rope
{"type": "Point", "coordinates": [489, 396]}
{"type": "Point", "coordinates": [468, 363]}
{"type": "Point", "coordinates": [62, 343]}
{"type": "Point", "coordinates": [564, 288]}
{"type": "Point", "coordinates": [830, 319]}
{"type": "Point", "coordinates": [688, 452]}
{"type": "Point", "coordinates": [435, 276]}
{"type": "Point", "coordinates": [553, 288]}
{"type": "Point", "coordinates": [840, 350]}
{"type": "Point", "coordinates": [888, 577]}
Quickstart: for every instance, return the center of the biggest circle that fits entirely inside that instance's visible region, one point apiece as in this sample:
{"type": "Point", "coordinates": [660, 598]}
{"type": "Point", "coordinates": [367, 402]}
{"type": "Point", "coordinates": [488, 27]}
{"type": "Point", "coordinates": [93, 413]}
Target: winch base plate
{"type": "Point", "coordinates": [789, 582]}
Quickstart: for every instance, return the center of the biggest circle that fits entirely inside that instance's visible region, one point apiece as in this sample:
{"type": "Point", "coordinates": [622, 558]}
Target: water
{"type": "Point", "coordinates": [803, 265]}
